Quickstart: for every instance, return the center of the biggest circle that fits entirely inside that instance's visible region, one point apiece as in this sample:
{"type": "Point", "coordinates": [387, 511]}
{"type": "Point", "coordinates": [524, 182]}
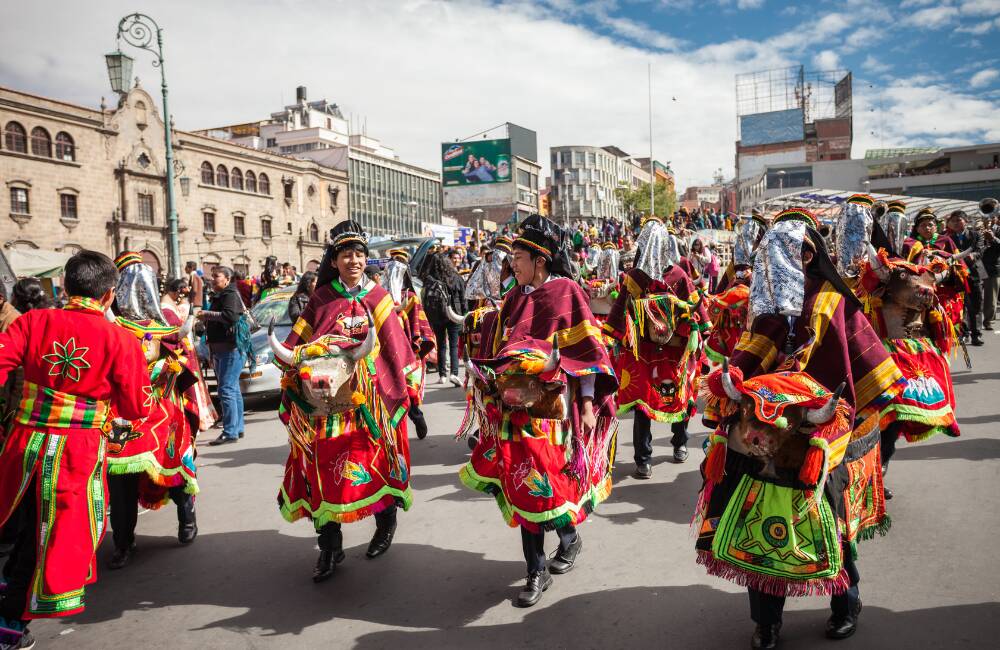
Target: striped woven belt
{"type": "Point", "coordinates": [41, 406]}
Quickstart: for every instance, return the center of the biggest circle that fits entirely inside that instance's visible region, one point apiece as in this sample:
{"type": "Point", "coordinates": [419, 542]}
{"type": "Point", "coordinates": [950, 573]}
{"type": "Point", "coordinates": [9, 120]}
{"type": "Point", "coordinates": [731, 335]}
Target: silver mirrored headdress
{"type": "Point", "coordinates": [656, 249]}
{"type": "Point", "coordinates": [746, 242]}
{"type": "Point", "coordinates": [607, 264]}
{"type": "Point", "coordinates": [136, 295]}
{"type": "Point", "coordinates": [852, 233]}
{"type": "Point", "coordinates": [896, 228]}
{"type": "Point", "coordinates": [778, 284]}
{"type": "Point", "coordinates": [394, 279]}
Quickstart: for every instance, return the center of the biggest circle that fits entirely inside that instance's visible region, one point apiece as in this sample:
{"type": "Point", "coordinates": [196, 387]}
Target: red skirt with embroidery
{"type": "Point", "coordinates": [660, 382]}
{"type": "Point", "coordinates": [523, 468]}
{"type": "Point", "coordinates": [344, 474]}
{"type": "Point", "coordinates": [927, 405]}
{"type": "Point", "coordinates": [163, 453]}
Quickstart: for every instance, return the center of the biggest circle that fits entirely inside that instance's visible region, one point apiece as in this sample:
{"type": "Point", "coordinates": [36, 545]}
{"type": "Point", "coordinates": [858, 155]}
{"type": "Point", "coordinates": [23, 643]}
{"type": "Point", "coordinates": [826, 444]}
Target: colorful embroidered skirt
{"type": "Point", "coordinates": [864, 497]}
{"type": "Point", "coordinates": [523, 469]}
{"type": "Point", "coordinates": [164, 453]}
{"type": "Point", "coordinates": [660, 382]}
{"type": "Point", "coordinates": [927, 405]}
{"type": "Point", "coordinates": [68, 466]}
{"type": "Point", "coordinates": [344, 474]}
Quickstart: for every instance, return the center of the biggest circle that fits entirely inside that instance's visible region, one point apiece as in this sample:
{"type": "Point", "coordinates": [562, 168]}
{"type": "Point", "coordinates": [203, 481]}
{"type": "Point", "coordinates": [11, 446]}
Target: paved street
{"type": "Point", "coordinates": [454, 567]}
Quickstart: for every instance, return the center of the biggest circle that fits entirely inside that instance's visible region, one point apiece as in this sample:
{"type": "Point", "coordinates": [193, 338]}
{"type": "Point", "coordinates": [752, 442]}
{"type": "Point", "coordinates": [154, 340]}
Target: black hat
{"type": "Point", "coordinates": [346, 233]}
{"type": "Point", "coordinates": [541, 235]}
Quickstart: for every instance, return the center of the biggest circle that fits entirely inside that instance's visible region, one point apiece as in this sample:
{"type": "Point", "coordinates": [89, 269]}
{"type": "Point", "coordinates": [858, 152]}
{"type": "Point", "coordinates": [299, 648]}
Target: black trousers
{"type": "Point", "coordinates": [446, 334]}
{"type": "Point", "coordinates": [642, 436]}
{"type": "Point", "coordinates": [123, 497]}
{"type": "Point", "coordinates": [20, 566]}
{"type": "Point", "coordinates": [766, 609]}
{"type": "Point", "coordinates": [533, 545]}
{"type": "Point", "coordinates": [888, 443]}
{"type": "Point", "coordinates": [974, 305]}
{"type": "Point", "coordinates": [332, 531]}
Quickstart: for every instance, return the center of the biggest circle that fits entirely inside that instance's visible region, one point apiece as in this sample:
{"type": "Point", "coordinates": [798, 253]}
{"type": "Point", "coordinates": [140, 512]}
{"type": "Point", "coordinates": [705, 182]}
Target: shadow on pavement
{"type": "Point", "coordinates": [961, 378]}
{"type": "Point", "coordinates": [445, 395]}
{"type": "Point", "coordinates": [232, 456]}
{"type": "Point", "coordinates": [673, 502]}
{"type": "Point", "coordinates": [958, 448]}
{"type": "Point", "coordinates": [695, 617]}
{"type": "Point", "coordinates": [269, 575]}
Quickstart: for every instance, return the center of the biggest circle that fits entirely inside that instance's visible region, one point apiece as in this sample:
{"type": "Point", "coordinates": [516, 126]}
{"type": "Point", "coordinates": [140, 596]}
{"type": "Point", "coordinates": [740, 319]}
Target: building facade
{"type": "Point", "coordinates": [969, 173]}
{"type": "Point", "coordinates": [585, 180]}
{"type": "Point", "coordinates": [386, 195]}
{"type": "Point", "coordinates": [82, 178]}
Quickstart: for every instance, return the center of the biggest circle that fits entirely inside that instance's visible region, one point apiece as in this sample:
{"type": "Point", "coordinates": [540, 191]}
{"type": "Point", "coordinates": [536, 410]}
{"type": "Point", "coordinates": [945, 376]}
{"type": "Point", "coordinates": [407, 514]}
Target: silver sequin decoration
{"type": "Point", "coordinates": [136, 294]}
{"type": "Point", "coordinates": [657, 250]}
{"type": "Point", "coordinates": [746, 242]}
{"type": "Point", "coordinates": [778, 284]}
{"type": "Point", "coordinates": [852, 234]}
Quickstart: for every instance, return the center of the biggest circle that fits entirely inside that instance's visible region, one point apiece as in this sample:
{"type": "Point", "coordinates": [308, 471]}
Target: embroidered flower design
{"type": "Point", "coordinates": [345, 468]}
{"type": "Point", "coordinates": [67, 359]}
{"type": "Point", "coordinates": [537, 483]}
{"type": "Point", "coordinates": [150, 396]}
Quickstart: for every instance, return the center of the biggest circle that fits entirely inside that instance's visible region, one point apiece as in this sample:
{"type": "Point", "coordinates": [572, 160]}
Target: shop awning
{"type": "Point", "coordinates": [36, 262]}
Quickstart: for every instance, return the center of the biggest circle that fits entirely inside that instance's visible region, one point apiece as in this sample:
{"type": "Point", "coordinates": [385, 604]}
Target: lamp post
{"type": "Point", "coordinates": [781, 182]}
{"type": "Point", "coordinates": [138, 30]}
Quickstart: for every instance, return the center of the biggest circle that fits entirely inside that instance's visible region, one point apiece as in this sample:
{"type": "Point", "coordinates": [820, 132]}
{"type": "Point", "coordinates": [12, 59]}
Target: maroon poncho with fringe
{"type": "Point", "coordinates": [544, 473]}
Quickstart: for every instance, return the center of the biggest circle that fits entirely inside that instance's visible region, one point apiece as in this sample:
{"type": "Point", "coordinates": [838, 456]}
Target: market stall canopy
{"type": "Point", "coordinates": [825, 203]}
{"type": "Point", "coordinates": [36, 262]}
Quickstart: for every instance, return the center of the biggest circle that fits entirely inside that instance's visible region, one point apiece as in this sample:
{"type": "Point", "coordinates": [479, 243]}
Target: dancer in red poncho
{"type": "Point", "coordinates": [545, 405]}
{"type": "Point", "coordinates": [78, 370]}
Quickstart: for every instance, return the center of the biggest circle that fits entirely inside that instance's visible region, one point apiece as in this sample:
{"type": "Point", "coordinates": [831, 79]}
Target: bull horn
{"type": "Point", "coordinates": [186, 328]}
{"type": "Point", "coordinates": [452, 315]}
{"type": "Point", "coordinates": [727, 383]}
{"type": "Point", "coordinates": [823, 414]}
{"type": "Point", "coordinates": [281, 353]}
{"type": "Point", "coordinates": [553, 361]}
{"type": "Point", "coordinates": [366, 347]}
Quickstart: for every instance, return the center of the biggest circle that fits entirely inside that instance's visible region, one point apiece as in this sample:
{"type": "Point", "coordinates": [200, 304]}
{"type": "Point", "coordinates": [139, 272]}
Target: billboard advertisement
{"type": "Point", "coordinates": [475, 163]}
{"type": "Point", "coordinates": [771, 127]}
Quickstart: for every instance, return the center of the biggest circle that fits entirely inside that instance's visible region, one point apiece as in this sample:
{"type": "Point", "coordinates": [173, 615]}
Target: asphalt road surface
{"type": "Point", "coordinates": [449, 579]}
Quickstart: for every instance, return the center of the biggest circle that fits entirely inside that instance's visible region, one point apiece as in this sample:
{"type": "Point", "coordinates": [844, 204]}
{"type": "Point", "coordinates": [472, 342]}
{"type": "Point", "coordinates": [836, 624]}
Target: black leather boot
{"type": "Point", "coordinates": [565, 558]}
{"type": "Point", "coordinates": [187, 525]}
{"type": "Point", "coordinates": [840, 628]}
{"type": "Point", "coordinates": [765, 636]}
{"type": "Point", "coordinates": [534, 586]}
{"type": "Point", "coordinates": [382, 540]}
{"type": "Point", "coordinates": [331, 552]}
{"type": "Point", "coordinates": [121, 557]}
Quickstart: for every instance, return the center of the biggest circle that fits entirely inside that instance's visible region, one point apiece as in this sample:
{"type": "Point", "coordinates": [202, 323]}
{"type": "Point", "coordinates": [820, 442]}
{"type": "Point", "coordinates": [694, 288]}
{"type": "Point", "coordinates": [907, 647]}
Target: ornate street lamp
{"type": "Point", "coordinates": [139, 31]}
{"type": "Point", "coordinates": [119, 71]}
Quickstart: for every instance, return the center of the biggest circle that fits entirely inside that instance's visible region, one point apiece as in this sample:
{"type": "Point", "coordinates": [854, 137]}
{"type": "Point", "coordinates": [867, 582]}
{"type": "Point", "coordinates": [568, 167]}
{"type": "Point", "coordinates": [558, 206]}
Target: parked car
{"type": "Point", "coordinates": [265, 381]}
{"type": "Point", "coordinates": [417, 247]}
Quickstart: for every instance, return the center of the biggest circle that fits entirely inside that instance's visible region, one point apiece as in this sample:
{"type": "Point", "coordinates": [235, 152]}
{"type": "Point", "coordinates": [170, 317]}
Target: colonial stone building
{"type": "Point", "coordinates": [77, 177]}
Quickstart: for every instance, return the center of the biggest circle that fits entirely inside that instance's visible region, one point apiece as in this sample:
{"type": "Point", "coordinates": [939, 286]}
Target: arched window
{"type": "Point", "coordinates": [207, 175]}
{"type": "Point", "coordinates": [251, 181]}
{"type": "Point", "coordinates": [263, 184]}
{"type": "Point", "coordinates": [236, 179]}
{"type": "Point", "coordinates": [313, 232]}
{"type": "Point", "coordinates": [41, 142]}
{"type": "Point", "coordinates": [14, 138]}
{"type": "Point", "coordinates": [65, 149]}
{"type": "Point", "coordinates": [221, 176]}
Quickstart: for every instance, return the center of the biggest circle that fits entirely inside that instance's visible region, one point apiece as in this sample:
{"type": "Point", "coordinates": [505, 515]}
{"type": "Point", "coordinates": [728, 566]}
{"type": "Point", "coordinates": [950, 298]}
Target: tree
{"type": "Point", "coordinates": [636, 201]}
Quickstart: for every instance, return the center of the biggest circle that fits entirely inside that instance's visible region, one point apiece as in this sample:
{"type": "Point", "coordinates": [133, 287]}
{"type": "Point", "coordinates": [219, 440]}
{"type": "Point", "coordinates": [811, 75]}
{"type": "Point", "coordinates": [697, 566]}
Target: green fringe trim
{"type": "Point", "coordinates": [146, 463]}
{"type": "Point", "coordinates": [563, 515]}
{"type": "Point", "coordinates": [659, 416]}
{"type": "Point", "coordinates": [713, 355]}
{"type": "Point", "coordinates": [881, 529]}
{"type": "Point", "coordinates": [342, 513]}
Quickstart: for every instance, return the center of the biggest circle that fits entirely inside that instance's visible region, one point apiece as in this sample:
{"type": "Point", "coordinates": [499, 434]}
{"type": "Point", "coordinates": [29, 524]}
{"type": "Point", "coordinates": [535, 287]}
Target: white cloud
{"type": "Point", "coordinates": [981, 7]}
{"type": "Point", "coordinates": [749, 4]}
{"type": "Point", "coordinates": [933, 17]}
{"type": "Point", "coordinates": [916, 3]}
{"type": "Point", "coordinates": [874, 66]}
{"type": "Point", "coordinates": [977, 29]}
{"type": "Point", "coordinates": [827, 60]}
{"type": "Point", "coordinates": [983, 78]}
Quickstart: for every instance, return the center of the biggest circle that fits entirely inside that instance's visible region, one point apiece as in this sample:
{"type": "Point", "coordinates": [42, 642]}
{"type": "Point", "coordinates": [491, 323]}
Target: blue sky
{"type": "Point", "coordinates": [421, 72]}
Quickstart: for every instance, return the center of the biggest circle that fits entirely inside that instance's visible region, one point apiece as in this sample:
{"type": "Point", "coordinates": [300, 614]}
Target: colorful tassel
{"type": "Point", "coordinates": [520, 418]}
{"type": "Point", "coordinates": [715, 461]}
{"type": "Point", "coordinates": [812, 467]}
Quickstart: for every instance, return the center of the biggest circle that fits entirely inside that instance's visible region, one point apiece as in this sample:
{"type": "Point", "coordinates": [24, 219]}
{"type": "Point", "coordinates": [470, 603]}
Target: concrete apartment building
{"type": "Point", "coordinates": [386, 195]}
{"type": "Point", "coordinates": [94, 178]}
{"type": "Point", "coordinates": [584, 180]}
